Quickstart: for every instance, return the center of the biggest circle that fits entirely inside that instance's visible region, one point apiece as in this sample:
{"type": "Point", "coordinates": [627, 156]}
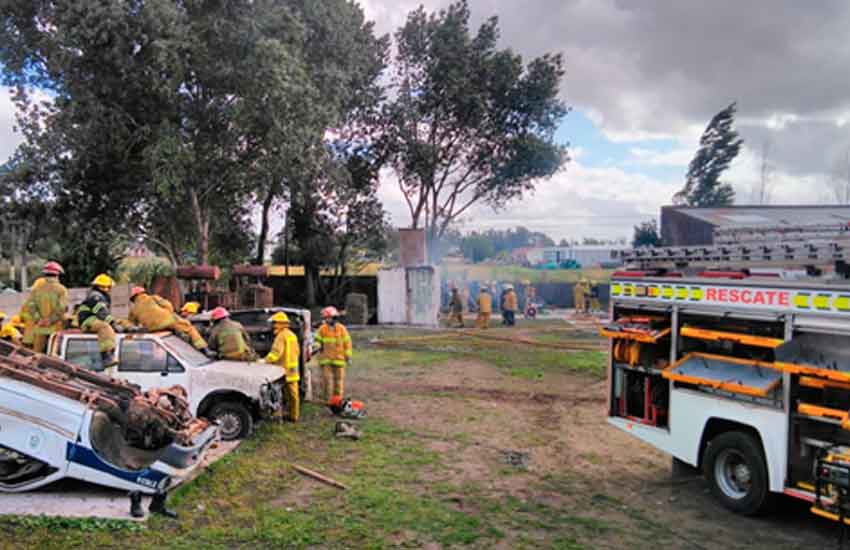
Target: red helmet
{"type": "Point", "coordinates": [329, 312]}
{"type": "Point", "coordinates": [136, 290]}
{"type": "Point", "coordinates": [219, 313]}
{"type": "Point", "coordinates": [53, 268]}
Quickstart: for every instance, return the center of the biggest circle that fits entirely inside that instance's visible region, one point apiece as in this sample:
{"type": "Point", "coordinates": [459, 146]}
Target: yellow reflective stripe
{"type": "Point", "coordinates": [841, 303]}
{"type": "Point", "coordinates": [334, 362]}
{"type": "Point", "coordinates": [681, 293]}
{"type": "Point", "coordinates": [328, 340]}
{"type": "Point", "coordinates": [654, 291]}
{"type": "Point", "coordinates": [696, 293]}
{"type": "Point", "coordinates": [272, 357]}
{"type": "Point", "coordinates": [822, 301]}
{"type": "Point", "coordinates": [801, 301]}
{"type": "Point", "coordinates": [628, 290]}
{"type": "Point", "coordinates": [616, 289]}
{"type": "Point", "coordinates": [667, 292]}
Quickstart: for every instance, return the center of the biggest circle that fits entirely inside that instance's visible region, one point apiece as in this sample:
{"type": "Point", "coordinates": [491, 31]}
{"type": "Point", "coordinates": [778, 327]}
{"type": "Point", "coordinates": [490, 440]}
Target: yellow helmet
{"type": "Point", "coordinates": [103, 280]}
{"type": "Point", "coordinates": [16, 321]}
{"type": "Point", "coordinates": [279, 317]}
{"type": "Point", "coordinates": [191, 308]}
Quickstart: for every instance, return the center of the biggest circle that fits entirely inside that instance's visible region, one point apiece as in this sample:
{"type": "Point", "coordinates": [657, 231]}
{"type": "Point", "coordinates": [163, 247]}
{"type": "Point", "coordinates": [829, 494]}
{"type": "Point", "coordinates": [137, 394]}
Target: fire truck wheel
{"type": "Point", "coordinates": [734, 466]}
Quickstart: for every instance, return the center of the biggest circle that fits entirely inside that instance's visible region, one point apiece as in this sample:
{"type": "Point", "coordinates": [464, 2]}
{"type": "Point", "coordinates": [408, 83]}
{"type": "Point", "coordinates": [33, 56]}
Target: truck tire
{"type": "Point", "coordinates": [234, 420]}
{"type": "Point", "coordinates": [734, 466]}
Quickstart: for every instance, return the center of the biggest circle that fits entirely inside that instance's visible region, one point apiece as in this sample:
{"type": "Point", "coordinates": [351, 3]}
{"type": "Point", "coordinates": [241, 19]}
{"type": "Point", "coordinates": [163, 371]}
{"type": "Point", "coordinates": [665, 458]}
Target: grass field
{"type": "Point", "coordinates": [468, 443]}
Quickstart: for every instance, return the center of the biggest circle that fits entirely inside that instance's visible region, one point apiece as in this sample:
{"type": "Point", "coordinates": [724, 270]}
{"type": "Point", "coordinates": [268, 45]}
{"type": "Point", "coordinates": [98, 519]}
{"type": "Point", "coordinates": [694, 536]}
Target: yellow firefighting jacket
{"type": "Point", "coordinates": [151, 312]}
{"type": "Point", "coordinates": [485, 303]}
{"type": "Point", "coordinates": [46, 305]}
{"type": "Point", "coordinates": [336, 345]}
{"type": "Point", "coordinates": [230, 340]}
{"type": "Point", "coordinates": [510, 301]}
{"type": "Point", "coordinates": [284, 352]}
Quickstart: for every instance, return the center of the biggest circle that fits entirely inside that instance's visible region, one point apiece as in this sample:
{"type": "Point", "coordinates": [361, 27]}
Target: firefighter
{"type": "Point", "coordinates": [335, 353]}
{"type": "Point", "coordinates": [456, 308]}
{"type": "Point", "coordinates": [229, 339]}
{"type": "Point", "coordinates": [8, 331]}
{"type": "Point", "coordinates": [94, 317]}
{"type": "Point", "coordinates": [189, 309]}
{"type": "Point", "coordinates": [593, 293]}
{"type": "Point", "coordinates": [155, 313]}
{"type": "Point", "coordinates": [485, 308]}
{"type": "Point", "coordinates": [510, 306]}
{"type": "Point", "coordinates": [579, 296]}
{"type": "Point", "coordinates": [285, 352]}
{"type": "Point", "coordinates": [45, 307]}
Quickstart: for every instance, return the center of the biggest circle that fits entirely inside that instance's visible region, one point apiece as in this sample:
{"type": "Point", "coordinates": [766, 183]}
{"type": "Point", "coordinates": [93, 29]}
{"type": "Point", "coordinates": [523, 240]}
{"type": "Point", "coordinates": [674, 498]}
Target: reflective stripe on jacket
{"type": "Point", "coordinates": [285, 353]}
{"type": "Point", "coordinates": [95, 306]}
{"type": "Point", "coordinates": [336, 345]}
{"type": "Point", "coordinates": [46, 305]}
{"type": "Point", "coordinates": [152, 312]}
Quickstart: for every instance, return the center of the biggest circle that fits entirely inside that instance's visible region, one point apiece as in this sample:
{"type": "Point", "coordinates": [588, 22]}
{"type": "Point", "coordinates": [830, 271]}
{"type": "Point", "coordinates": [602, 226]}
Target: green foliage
{"type": "Point", "coordinates": [467, 123]}
{"type": "Point", "coordinates": [646, 234]}
{"type": "Point", "coordinates": [145, 271]}
{"type": "Point", "coordinates": [478, 246]}
{"type": "Point", "coordinates": [718, 147]}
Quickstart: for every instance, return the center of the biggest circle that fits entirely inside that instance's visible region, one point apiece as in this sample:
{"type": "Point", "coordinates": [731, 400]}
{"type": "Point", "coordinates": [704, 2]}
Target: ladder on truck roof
{"type": "Point", "coordinates": [834, 254]}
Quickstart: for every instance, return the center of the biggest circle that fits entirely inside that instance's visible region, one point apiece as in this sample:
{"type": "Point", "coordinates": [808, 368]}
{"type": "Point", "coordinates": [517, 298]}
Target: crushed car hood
{"type": "Point", "coordinates": [253, 374]}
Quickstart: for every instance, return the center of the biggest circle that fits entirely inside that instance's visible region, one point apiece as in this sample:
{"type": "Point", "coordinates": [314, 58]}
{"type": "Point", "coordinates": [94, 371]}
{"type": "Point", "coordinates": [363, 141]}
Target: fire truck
{"type": "Point", "coordinates": [742, 372]}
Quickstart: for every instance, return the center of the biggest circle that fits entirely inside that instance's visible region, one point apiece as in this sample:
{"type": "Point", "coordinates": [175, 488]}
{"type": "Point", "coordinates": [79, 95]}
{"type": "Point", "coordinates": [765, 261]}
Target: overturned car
{"type": "Point", "coordinates": [58, 420]}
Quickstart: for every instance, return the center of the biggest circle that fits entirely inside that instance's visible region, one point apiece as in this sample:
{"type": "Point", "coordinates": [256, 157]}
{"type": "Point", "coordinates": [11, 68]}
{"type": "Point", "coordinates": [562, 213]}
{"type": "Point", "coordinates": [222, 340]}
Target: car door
{"type": "Point", "coordinates": [145, 362]}
{"type": "Point", "coordinates": [84, 353]}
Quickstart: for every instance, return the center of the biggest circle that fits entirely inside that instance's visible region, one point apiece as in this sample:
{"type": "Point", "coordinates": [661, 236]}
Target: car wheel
{"type": "Point", "coordinates": [234, 420]}
{"type": "Point", "coordinates": [735, 467]}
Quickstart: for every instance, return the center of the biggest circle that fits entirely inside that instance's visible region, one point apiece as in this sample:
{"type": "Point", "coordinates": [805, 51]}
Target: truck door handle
{"type": "Point", "coordinates": [164, 373]}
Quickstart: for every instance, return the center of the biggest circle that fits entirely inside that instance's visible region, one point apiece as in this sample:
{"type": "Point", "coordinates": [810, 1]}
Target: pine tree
{"type": "Point", "coordinates": [718, 146]}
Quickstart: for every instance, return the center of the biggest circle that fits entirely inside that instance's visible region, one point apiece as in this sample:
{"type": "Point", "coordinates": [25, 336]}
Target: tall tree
{"type": "Point", "coordinates": [646, 234]}
{"type": "Point", "coordinates": [718, 146]}
{"type": "Point", "coordinates": [467, 123]}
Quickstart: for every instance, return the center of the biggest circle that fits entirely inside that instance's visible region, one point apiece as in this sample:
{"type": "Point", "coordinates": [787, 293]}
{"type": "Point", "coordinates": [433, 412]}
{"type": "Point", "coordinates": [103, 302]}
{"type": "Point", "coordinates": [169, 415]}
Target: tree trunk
{"type": "Point", "coordinates": [310, 281]}
{"type": "Point", "coordinates": [264, 227]}
{"type": "Point", "coordinates": [202, 221]}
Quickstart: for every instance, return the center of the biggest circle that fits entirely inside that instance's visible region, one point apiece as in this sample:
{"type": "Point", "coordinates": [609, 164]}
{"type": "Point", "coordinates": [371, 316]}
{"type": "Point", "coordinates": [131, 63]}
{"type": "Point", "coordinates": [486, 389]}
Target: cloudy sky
{"type": "Point", "coordinates": [643, 79]}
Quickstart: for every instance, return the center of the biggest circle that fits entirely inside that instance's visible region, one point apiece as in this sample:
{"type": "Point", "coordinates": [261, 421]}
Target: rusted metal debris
{"type": "Point", "coordinates": [148, 420]}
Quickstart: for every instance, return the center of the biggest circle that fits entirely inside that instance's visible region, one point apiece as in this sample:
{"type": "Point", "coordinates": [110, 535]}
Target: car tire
{"type": "Point", "coordinates": [736, 470]}
{"type": "Point", "coordinates": [234, 420]}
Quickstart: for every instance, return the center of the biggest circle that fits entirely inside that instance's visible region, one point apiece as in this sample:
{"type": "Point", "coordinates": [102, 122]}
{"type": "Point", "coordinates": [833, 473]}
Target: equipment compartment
{"type": "Point", "coordinates": [730, 374]}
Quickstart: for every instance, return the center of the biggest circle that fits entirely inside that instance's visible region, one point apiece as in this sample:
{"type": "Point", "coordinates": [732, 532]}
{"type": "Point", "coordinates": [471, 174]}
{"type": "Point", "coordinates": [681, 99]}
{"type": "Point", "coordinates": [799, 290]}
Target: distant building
{"type": "Point", "coordinates": [584, 255]}
{"type": "Point", "coordinates": [690, 226]}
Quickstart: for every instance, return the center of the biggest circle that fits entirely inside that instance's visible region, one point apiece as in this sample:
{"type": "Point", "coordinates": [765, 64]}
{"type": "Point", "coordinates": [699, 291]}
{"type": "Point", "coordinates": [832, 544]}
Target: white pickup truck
{"type": "Point", "coordinates": [233, 394]}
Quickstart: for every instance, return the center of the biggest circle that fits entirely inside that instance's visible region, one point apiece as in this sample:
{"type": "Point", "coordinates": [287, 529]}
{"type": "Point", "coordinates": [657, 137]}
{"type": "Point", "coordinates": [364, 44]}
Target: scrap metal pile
{"type": "Point", "coordinates": [148, 420]}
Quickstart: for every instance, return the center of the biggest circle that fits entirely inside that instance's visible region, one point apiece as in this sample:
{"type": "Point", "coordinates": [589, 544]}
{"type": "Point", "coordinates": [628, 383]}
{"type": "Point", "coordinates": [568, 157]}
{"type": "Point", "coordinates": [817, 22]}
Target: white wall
{"type": "Point", "coordinates": [10, 304]}
{"type": "Point", "coordinates": [392, 296]}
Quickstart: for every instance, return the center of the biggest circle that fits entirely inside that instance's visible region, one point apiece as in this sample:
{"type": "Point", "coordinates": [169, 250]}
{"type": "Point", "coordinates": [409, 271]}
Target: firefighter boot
{"type": "Point", "coordinates": [158, 506]}
{"type": "Point", "coordinates": [107, 360]}
{"type": "Point", "coordinates": [136, 505]}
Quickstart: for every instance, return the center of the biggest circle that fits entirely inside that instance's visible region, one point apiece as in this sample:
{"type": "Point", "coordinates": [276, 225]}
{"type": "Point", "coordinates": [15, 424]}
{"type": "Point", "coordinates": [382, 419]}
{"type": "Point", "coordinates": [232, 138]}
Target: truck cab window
{"type": "Point", "coordinates": [83, 353]}
{"type": "Point", "coordinates": [145, 356]}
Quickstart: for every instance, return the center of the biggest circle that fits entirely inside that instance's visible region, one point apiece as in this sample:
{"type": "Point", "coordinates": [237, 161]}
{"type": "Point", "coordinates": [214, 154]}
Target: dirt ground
{"type": "Point", "coordinates": [547, 441]}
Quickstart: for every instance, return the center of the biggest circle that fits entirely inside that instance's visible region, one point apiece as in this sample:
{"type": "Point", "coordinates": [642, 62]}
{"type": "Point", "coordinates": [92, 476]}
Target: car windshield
{"type": "Point", "coordinates": [185, 352]}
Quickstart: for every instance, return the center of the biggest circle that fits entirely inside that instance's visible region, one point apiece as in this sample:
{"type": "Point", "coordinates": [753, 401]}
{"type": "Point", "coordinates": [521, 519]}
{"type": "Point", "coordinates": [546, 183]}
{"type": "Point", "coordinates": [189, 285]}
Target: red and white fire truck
{"type": "Point", "coordinates": [746, 377]}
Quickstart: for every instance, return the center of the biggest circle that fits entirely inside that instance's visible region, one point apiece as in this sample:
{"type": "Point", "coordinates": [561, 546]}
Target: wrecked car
{"type": "Point", "coordinates": [58, 420]}
{"type": "Point", "coordinates": [230, 393]}
{"type": "Point", "coordinates": [256, 324]}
